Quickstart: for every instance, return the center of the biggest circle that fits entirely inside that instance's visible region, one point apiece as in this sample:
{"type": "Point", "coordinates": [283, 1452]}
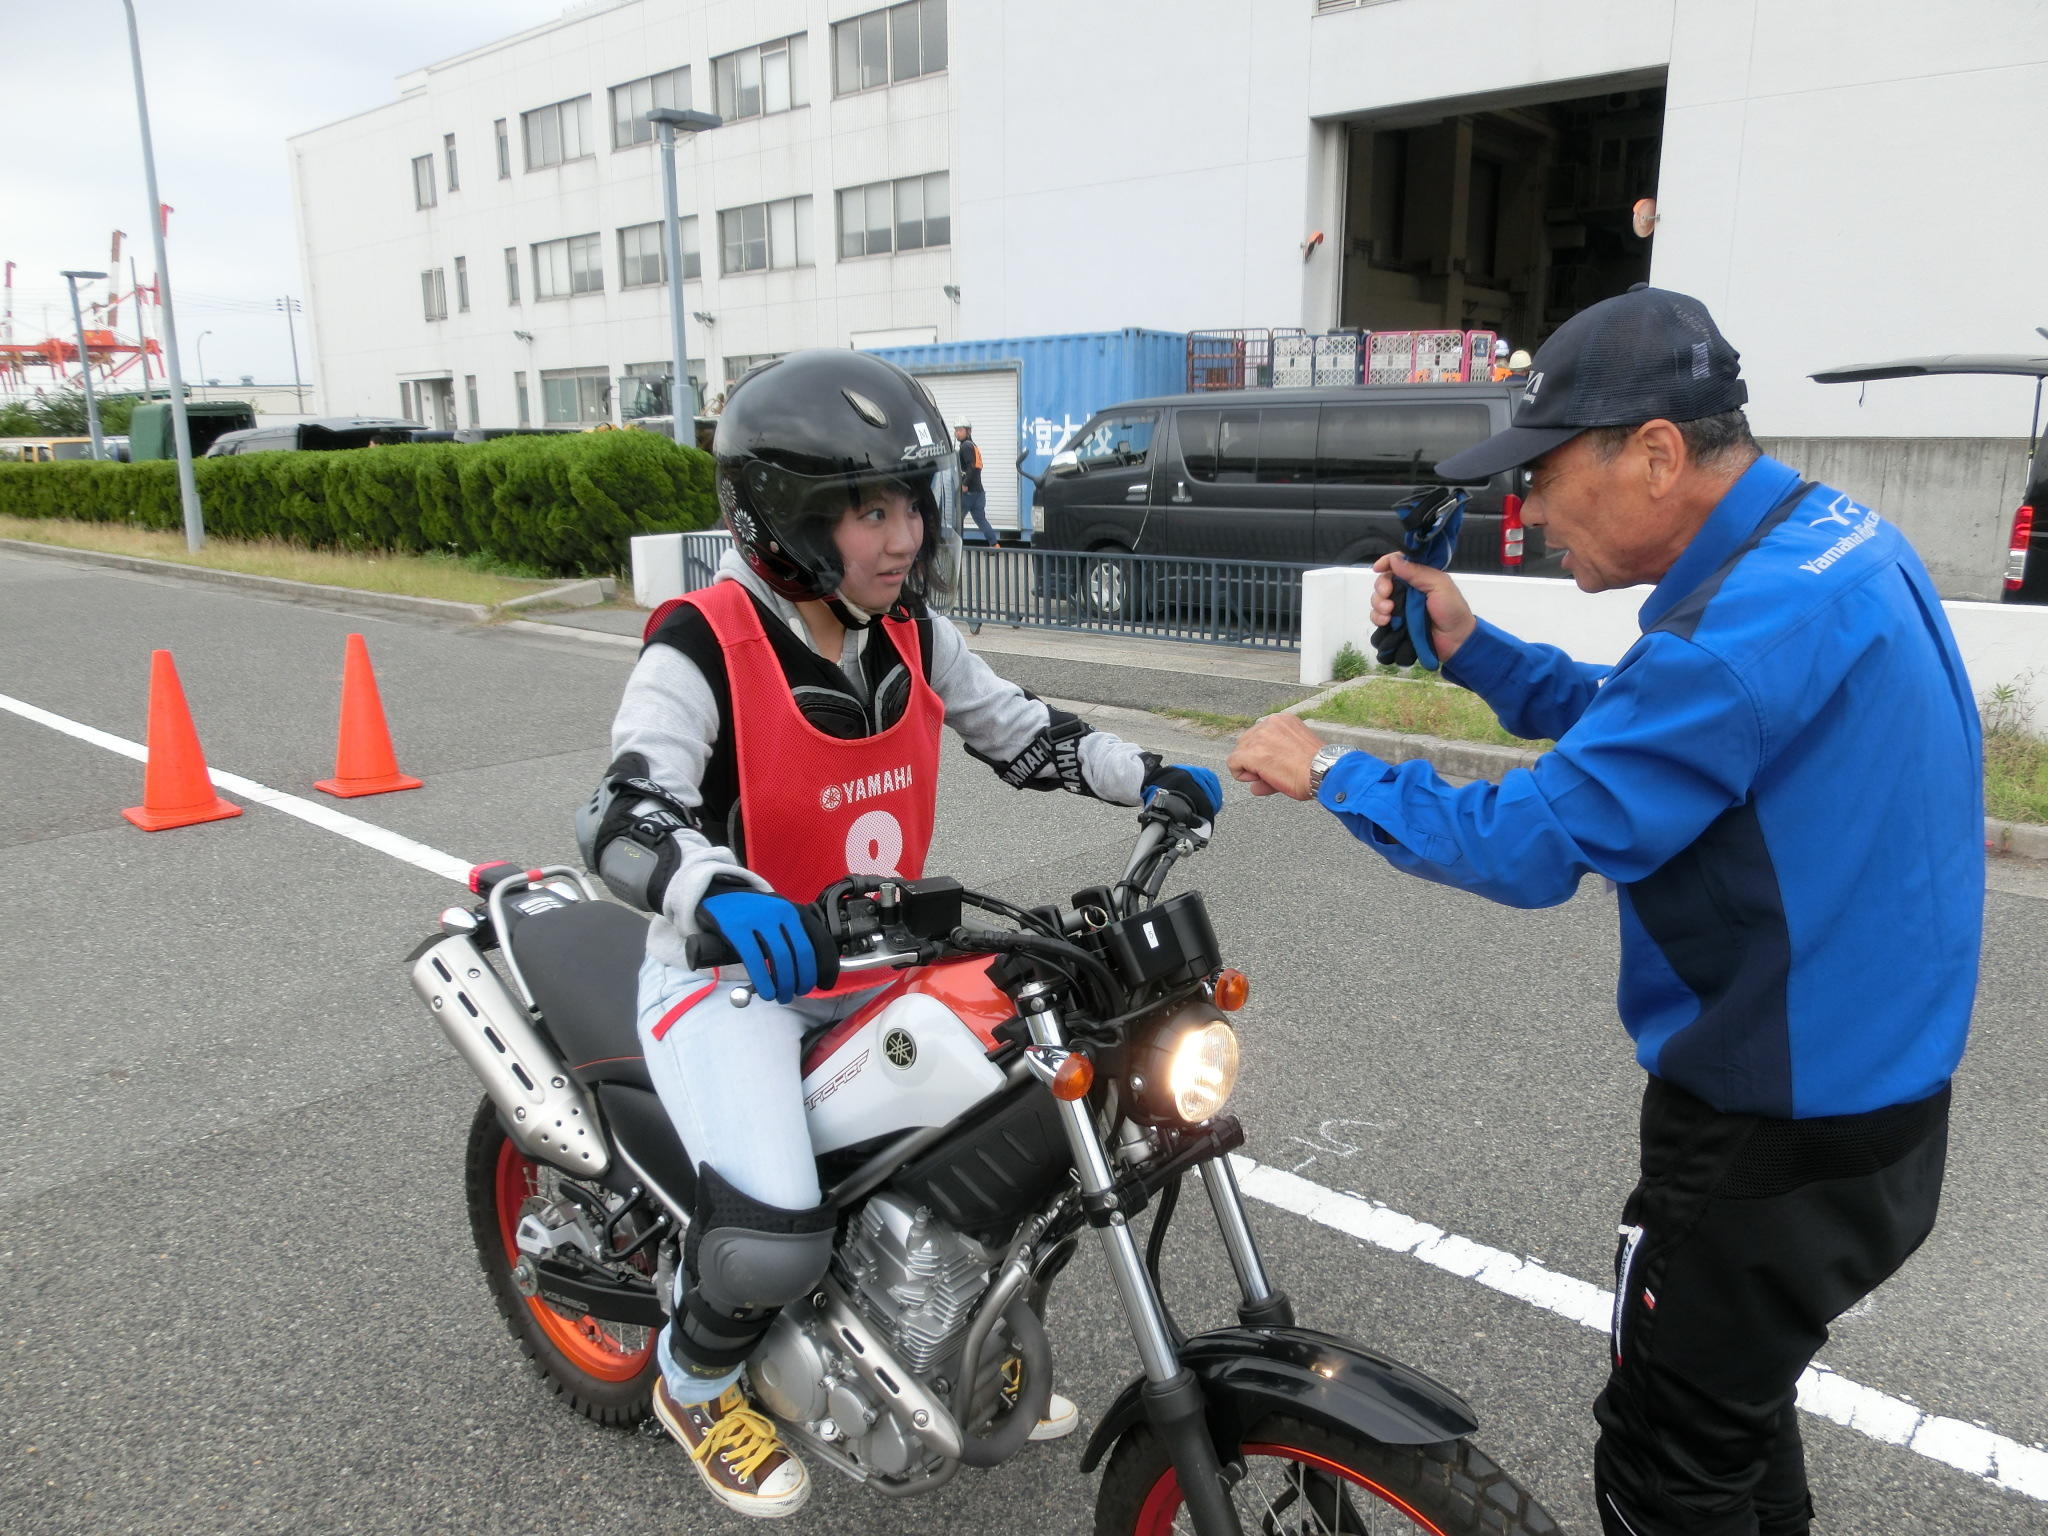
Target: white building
{"type": "Point", "coordinates": [1839, 180]}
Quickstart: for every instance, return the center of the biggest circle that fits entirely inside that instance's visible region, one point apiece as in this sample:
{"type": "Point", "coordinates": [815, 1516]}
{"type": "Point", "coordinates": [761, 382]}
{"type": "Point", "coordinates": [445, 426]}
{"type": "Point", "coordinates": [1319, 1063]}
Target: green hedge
{"type": "Point", "coordinates": [563, 503]}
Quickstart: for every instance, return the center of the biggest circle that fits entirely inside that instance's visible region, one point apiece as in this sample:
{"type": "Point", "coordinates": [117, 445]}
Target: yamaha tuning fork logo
{"type": "Point", "coordinates": [899, 1048]}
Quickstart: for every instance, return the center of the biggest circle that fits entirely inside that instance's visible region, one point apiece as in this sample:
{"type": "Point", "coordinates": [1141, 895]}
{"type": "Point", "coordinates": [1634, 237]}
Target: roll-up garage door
{"type": "Point", "coordinates": [988, 403]}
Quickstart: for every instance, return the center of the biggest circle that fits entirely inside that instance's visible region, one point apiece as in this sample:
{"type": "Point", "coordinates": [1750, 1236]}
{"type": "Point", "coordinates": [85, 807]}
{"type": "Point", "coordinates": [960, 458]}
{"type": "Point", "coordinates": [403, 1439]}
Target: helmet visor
{"type": "Point", "coordinates": [799, 517]}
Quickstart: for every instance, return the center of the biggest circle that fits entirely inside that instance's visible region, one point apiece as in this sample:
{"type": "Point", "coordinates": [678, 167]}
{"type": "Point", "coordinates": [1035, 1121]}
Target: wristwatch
{"type": "Point", "coordinates": [1321, 764]}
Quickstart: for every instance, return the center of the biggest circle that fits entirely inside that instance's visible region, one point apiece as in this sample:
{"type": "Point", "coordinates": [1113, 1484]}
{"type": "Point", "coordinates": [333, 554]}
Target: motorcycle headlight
{"type": "Point", "coordinates": [1186, 1068]}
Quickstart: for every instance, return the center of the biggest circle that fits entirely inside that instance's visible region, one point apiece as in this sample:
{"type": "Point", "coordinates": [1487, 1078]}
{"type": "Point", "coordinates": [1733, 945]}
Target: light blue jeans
{"type": "Point", "coordinates": [731, 1080]}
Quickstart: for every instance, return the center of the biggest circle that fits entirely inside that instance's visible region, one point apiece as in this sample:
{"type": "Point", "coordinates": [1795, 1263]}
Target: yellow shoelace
{"type": "Point", "coordinates": [742, 1437]}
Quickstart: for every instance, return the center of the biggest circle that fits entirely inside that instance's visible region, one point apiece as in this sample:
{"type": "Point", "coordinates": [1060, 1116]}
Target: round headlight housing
{"type": "Point", "coordinates": [1186, 1067]}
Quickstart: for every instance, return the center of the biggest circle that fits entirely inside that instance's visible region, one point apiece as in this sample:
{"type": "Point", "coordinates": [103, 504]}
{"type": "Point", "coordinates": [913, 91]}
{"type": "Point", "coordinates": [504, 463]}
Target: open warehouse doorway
{"type": "Point", "coordinates": [1500, 215]}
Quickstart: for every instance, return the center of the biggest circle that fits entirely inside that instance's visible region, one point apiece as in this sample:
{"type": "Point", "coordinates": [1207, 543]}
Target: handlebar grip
{"type": "Point", "coordinates": [706, 950]}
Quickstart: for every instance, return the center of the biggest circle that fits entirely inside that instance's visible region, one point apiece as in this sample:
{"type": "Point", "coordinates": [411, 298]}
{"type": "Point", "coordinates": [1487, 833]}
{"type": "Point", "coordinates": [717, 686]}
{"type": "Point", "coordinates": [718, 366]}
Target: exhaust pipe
{"type": "Point", "coordinates": [539, 1103]}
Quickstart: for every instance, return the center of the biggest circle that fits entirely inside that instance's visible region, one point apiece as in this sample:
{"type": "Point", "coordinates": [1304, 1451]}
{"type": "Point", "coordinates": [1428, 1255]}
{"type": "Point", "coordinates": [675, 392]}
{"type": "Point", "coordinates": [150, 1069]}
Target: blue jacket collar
{"type": "Point", "coordinates": [1734, 518]}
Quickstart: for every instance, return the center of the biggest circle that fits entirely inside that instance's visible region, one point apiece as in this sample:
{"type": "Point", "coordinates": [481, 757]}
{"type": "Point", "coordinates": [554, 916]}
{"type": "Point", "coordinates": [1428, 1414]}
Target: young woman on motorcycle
{"type": "Point", "coordinates": [781, 731]}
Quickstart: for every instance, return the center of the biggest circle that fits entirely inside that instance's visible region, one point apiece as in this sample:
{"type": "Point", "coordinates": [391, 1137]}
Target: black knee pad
{"type": "Point", "coordinates": [746, 1261]}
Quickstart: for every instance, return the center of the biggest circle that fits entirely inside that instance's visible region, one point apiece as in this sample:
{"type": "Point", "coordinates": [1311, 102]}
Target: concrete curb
{"type": "Point", "coordinates": [577, 594]}
{"type": "Point", "coordinates": [274, 586]}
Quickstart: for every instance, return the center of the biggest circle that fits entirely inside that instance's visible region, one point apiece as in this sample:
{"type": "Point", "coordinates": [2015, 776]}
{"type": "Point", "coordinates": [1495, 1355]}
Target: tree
{"type": "Point", "coordinates": [64, 416]}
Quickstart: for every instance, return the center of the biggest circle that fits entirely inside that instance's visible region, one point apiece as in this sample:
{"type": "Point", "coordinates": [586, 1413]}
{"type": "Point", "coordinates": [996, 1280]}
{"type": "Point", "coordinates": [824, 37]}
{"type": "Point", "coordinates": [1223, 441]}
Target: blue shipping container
{"type": "Point", "coordinates": [1061, 382]}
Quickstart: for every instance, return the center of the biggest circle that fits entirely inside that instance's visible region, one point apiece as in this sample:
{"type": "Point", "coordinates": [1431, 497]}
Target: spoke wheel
{"type": "Point", "coordinates": [606, 1370]}
{"type": "Point", "coordinates": [1301, 1480]}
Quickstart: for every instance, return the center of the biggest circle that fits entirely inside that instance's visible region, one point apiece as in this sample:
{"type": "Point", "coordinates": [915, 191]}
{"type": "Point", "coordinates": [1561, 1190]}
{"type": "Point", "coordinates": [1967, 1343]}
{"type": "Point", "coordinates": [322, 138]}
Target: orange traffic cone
{"type": "Point", "coordinates": [364, 763]}
{"type": "Point", "coordinates": [176, 791]}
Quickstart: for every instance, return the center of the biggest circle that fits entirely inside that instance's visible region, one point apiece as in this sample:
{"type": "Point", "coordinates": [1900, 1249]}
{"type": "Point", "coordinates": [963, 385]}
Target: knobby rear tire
{"type": "Point", "coordinates": [1451, 1489]}
{"type": "Point", "coordinates": [583, 1362]}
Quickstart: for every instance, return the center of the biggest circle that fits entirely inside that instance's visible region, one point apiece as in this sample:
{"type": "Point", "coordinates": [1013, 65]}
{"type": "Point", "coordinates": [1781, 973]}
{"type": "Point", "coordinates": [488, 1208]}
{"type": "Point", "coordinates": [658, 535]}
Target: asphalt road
{"type": "Point", "coordinates": [236, 1286]}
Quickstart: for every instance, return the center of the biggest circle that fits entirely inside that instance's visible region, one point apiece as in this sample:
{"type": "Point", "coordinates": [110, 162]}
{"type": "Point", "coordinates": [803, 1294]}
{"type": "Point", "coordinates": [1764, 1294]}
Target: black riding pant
{"type": "Point", "coordinates": [1745, 1238]}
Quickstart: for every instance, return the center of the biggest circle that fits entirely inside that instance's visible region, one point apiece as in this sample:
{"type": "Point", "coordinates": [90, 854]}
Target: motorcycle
{"type": "Point", "coordinates": [1010, 1089]}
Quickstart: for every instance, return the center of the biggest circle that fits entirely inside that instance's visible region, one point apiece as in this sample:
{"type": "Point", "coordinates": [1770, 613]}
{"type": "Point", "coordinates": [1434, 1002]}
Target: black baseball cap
{"type": "Point", "coordinates": [1640, 356]}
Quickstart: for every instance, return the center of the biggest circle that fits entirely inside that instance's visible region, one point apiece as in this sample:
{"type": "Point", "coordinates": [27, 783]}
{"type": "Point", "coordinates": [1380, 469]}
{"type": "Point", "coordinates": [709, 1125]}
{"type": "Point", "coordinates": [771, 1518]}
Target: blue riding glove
{"type": "Point", "coordinates": [1429, 521]}
{"type": "Point", "coordinates": [783, 946]}
{"type": "Point", "coordinates": [1198, 786]}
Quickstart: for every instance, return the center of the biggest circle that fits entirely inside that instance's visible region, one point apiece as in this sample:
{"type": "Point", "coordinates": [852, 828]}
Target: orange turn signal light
{"type": "Point", "coordinates": [1231, 989]}
{"type": "Point", "coordinates": [1074, 1078]}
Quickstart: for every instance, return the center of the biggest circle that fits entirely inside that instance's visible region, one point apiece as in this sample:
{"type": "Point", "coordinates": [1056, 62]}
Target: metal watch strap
{"type": "Point", "coordinates": [1321, 763]}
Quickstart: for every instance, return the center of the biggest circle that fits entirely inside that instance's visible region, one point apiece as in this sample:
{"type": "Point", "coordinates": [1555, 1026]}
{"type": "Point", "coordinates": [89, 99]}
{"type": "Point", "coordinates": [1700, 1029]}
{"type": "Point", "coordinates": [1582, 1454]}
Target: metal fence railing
{"type": "Point", "coordinates": [1253, 603]}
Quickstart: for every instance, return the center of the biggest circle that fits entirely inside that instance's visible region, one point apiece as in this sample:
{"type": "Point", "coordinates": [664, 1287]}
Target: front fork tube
{"type": "Point", "coordinates": [1259, 1304]}
{"type": "Point", "coordinates": [1172, 1397]}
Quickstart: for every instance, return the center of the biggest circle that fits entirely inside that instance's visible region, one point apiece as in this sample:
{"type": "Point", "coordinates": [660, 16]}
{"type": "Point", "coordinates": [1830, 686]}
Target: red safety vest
{"type": "Point", "coordinates": [817, 808]}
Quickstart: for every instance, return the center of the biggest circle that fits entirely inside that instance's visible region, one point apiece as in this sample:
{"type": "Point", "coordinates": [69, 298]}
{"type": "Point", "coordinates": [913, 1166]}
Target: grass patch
{"type": "Point", "coordinates": [453, 578]}
{"type": "Point", "coordinates": [2015, 761]}
{"type": "Point", "coordinates": [1420, 708]}
{"type": "Point", "coordinates": [1216, 725]}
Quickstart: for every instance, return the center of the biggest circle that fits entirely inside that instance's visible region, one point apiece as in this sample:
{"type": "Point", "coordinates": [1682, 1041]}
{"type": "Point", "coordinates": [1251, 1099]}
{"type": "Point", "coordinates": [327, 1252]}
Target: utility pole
{"type": "Point", "coordinates": [181, 426]}
{"type": "Point", "coordinates": [666, 121]}
{"type": "Point", "coordinates": [289, 306]}
{"type": "Point", "coordinates": [92, 408]}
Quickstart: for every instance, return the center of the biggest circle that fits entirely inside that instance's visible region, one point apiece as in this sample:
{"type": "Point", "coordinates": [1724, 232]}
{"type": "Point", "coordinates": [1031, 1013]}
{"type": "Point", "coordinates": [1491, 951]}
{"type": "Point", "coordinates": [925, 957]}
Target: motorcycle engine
{"type": "Point", "coordinates": [917, 1280]}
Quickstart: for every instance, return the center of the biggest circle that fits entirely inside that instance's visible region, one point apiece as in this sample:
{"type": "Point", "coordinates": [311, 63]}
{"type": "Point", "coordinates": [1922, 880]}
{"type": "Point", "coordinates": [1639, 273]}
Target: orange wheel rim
{"type": "Point", "coordinates": [1155, 1517]}
{"type": "Point", "coordinates": [588, 1343]}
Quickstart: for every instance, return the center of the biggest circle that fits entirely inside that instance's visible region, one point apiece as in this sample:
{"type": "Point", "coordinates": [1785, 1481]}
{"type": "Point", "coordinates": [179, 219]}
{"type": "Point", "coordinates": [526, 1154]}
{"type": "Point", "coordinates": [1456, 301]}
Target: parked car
{"type": "Point", "coordinates": [2026, 558]}
{"type": "Point", "coordinates": [329, 432]}
{"type": "Point", "coordinates": [1302, 475]}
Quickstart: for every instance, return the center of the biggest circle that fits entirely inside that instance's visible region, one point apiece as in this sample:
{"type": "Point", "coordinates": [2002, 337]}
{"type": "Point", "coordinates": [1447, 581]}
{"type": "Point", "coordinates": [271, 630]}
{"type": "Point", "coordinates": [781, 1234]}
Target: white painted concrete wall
{"type": "Point", "coordinates": [2000, 644]}
{"type": "Point", "coordinates": [1841, 180]}
{"type": "Point", "coordinates": [364, 244]}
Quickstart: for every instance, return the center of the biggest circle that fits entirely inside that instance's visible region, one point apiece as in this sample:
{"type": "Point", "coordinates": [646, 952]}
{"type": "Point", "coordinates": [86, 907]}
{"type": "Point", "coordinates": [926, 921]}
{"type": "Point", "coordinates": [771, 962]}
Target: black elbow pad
{"type": "Point", "coordinates": [626, 833]}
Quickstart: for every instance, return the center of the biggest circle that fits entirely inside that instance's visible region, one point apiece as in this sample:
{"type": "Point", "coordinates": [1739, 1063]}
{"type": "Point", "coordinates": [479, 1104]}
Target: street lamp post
{"type": "Point", "coordinates": [92, 408]}
{"type": "Point", "coordinates": [200, 344]}
{"type": "Point", "coordinates": [181, 427]}
{"type": "Point", "coordinates": [666, 121]}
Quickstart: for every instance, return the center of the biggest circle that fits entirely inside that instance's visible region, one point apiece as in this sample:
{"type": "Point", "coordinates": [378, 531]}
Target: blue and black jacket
{"type": "Point", "coordinates": [1783, 776]}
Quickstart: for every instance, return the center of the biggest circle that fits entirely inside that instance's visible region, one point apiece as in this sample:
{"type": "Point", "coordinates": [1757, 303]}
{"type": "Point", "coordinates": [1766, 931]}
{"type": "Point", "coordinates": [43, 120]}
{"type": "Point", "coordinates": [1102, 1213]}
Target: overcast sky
{"type": "Point", "coordinates": [228, 81]}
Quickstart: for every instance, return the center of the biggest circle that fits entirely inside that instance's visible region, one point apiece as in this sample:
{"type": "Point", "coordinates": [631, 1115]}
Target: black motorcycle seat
{"type": "Point", "coordinates": [581, 961]}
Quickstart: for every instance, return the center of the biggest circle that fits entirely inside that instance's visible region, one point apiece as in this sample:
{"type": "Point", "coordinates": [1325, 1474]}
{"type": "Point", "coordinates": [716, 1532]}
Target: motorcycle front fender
{"type": "Point", "coordinates": [1250, 1374]}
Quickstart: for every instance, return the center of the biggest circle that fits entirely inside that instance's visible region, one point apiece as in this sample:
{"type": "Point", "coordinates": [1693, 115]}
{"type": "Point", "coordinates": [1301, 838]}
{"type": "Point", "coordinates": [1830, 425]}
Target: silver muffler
{"type": "Point", "coordinates": [538, 1102]}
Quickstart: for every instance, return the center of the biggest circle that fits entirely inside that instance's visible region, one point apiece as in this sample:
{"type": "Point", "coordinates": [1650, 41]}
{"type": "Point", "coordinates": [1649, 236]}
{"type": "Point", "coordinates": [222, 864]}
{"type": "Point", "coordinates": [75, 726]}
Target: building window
{"type": "Point", "coordinates": [899, 43]}
{"type": "Point", "coordinates": [906, 215]}
{"type": "Point", "coordinates": [462, 283]}
{"type": "Point", "coordinates": [519, 396]}
{"type": "Point", "coordinates": [434, 292]}
{"type": "Point", "coordinates": [448, 149]}
{"type": "Point", "coordinates": [511, 274]}
{"type": "Point", "coordinates": [575, 396]}
{"type": "Point", "coordinates": [557, 133]}
{"type": "Point", "coordinates": [423, 182]}
{"type": "Point", "coordinates": [632, 102]}
{"type": "Point", "coordinates": [756, 81]}
{"type": "Point", "coordinates": [504, 149]}
{"type": "Point", "coordinates": [643, 389]}
{"type": "Point", "coordinates": [565, 267]}
{"type": "Point", "coordinates": [640, 256]}
{"type": "Point", "coordinates": [737, 366]}
{"type": "Point", "coordinates": [469, 390]}
{"type": "Point", "coordinates": [765, 235]}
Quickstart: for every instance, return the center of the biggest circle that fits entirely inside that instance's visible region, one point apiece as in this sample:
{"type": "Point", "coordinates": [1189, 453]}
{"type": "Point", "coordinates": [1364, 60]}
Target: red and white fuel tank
{"type": "Point", "coordinates": [916, 1055]}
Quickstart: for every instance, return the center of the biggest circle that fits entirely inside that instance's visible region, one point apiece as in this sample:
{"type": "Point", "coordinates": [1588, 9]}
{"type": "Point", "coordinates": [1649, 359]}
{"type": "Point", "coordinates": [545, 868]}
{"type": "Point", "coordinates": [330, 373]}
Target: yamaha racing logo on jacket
{"type": "Point", "coordinates": [874, 785]}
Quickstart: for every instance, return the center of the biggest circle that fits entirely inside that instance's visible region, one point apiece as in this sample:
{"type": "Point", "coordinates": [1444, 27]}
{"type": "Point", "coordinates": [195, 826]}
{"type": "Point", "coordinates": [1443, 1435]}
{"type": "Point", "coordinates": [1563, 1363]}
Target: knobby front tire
{"type": "Point", "coordinates": [1302, 1478]}
{"type": "Point", "coordinates": [605, 1371]}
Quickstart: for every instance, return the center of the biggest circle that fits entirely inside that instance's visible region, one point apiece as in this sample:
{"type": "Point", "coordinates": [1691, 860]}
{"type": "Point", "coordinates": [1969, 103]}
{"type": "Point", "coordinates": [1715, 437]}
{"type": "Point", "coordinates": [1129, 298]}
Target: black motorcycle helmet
{"type": "Point", "coordinates": [803, 437]}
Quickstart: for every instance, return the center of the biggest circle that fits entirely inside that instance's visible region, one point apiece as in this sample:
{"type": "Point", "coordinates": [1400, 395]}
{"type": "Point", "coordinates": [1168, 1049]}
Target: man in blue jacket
{"type": "Point", "coordinates": [1783, 777]}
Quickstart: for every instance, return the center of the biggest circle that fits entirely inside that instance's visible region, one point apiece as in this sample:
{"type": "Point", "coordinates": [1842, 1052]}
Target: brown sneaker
{"type": "Point", "coordinates": [737, 1452]}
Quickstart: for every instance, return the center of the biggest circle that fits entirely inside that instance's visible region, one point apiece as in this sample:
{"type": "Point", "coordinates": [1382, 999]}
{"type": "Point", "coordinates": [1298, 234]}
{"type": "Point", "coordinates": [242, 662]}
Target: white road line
{"type": "Point", "coordinates": [325, 817]}
{"type": "Point", "coordinates": [1967, 1447]}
